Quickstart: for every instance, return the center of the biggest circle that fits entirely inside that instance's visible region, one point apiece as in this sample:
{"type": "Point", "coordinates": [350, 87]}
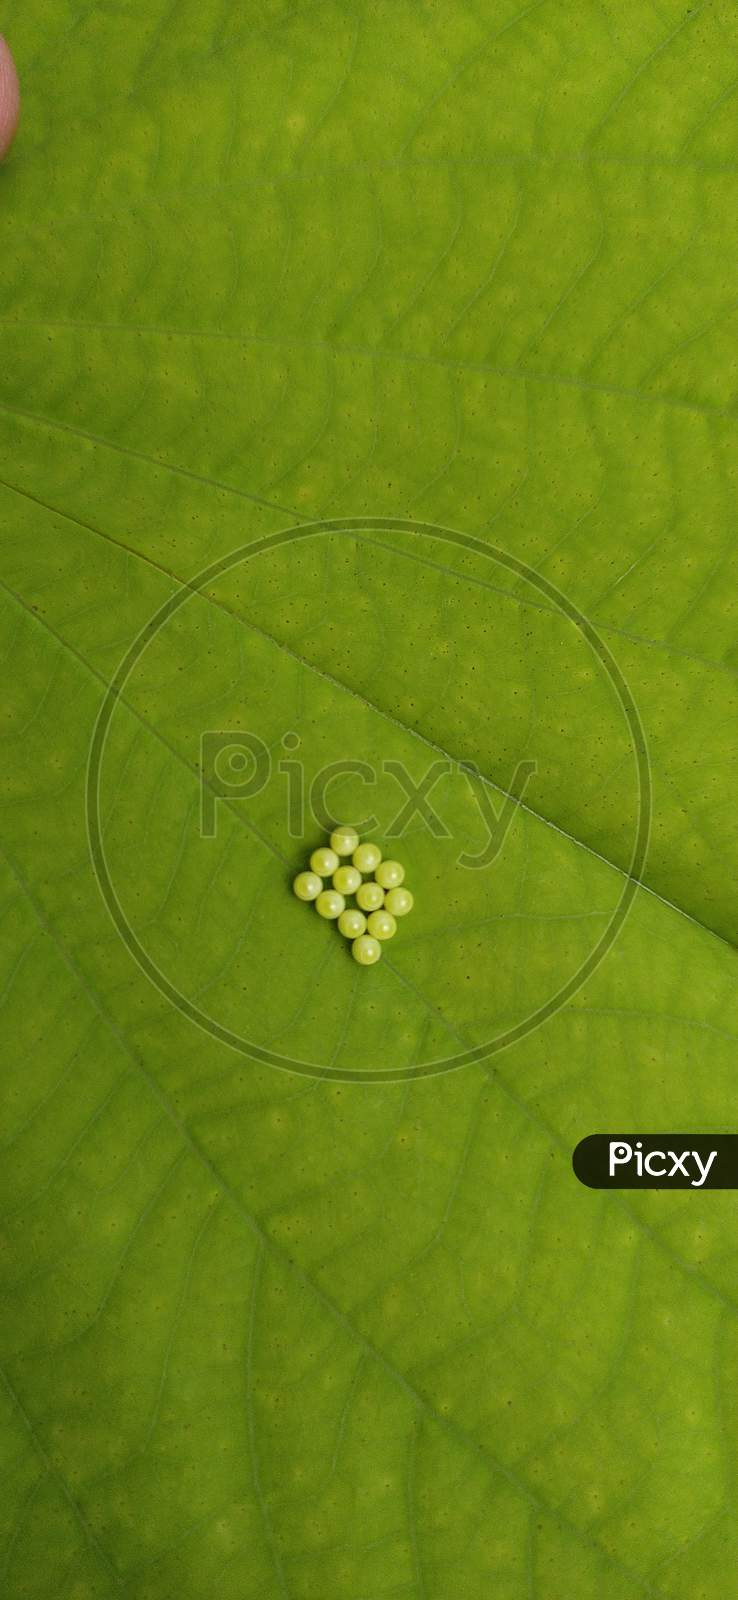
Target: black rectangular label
{"type": "Point", "coordinates": [657, 1161]}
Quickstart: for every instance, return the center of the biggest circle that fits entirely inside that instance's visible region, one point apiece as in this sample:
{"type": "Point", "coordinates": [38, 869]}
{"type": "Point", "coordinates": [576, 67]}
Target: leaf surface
{"type": "Point", "coordinates": [283, 1336]}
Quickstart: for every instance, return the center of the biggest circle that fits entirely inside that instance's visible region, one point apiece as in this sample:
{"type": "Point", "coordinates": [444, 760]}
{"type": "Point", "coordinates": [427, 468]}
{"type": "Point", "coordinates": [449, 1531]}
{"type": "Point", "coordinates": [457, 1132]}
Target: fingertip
{"type": "Point", "coordinates": [9, 98]}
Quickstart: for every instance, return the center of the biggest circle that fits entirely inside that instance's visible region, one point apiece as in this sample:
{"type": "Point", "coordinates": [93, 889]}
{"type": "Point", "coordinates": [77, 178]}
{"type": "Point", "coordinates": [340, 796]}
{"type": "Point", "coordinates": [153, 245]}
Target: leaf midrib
{"type": "Point", "coordinates": [405, 728]}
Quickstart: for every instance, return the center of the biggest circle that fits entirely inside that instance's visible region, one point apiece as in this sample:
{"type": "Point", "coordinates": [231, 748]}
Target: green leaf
{"type": "Point", "coordinates": [278, 1334]}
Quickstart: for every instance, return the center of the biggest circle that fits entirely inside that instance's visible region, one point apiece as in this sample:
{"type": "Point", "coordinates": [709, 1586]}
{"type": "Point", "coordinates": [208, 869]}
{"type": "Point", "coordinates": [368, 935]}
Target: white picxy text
{"type": "Point", "coordinates": [660, 1163]}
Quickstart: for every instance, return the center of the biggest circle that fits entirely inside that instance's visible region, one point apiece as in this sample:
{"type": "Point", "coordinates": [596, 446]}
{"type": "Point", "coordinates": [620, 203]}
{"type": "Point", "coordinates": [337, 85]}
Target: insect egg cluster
{"type": "Point", "coordinates": [356, 872]}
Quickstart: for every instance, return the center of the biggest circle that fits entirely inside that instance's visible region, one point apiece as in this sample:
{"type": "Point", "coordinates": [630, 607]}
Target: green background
{"type": "Point", "coordinates": [279, 1337]}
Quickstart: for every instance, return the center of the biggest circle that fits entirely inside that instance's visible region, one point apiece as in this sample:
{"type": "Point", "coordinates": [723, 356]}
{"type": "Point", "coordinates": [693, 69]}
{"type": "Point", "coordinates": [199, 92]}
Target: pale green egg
{"type": "Point", "coordinates": [324, 861]}
{"type": "Point", "coordinates": [370, 896]}
{"type": "Point", "coordinates": [366, 950]}
{"type": "Point", "coordinates": [366, 857]}
{"type": "Point", "coordinates": [347, 880]}
{"type": "Point", "coordinates": [330, 904]}
{"type": "Point", "coordinates": [344, 840]}
{"type": "Point", "coordinates": [389, 873]}
{"type": "Point", "coordinates": [399, 902]}
{"type": "Point", "coordinates": [307, 885]}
